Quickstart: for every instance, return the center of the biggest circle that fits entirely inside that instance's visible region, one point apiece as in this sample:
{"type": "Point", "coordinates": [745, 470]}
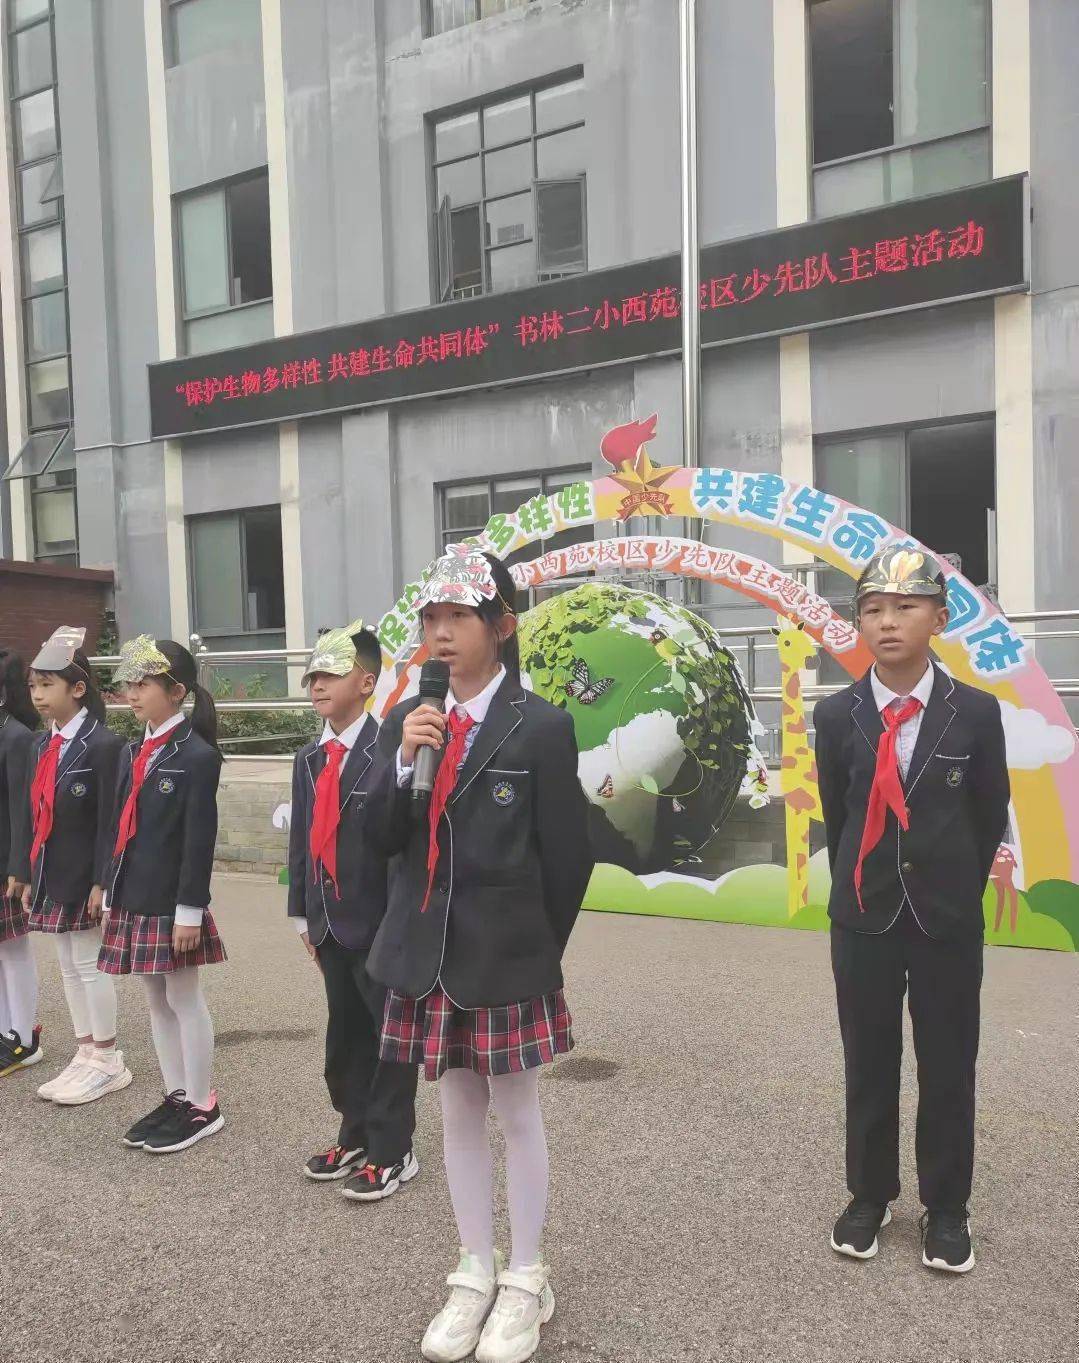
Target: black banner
{"type": "Point", "coordinates": [961, 244]}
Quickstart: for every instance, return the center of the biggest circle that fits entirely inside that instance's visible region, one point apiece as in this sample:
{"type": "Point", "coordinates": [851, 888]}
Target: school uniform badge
{"type": "Point", "coordinates": [166, 785]}
{"type": "Point", "coordinates": [78, 789]}
{"type": "Point", "coordinates": [954, 777]}
{"type": "Point", "coordinates": [503, 793]}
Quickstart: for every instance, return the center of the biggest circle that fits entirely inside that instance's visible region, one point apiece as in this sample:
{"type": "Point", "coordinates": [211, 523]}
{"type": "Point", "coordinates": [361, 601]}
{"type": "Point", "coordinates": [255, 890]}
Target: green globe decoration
{"type": "Point", "coordinates": [665, 727]}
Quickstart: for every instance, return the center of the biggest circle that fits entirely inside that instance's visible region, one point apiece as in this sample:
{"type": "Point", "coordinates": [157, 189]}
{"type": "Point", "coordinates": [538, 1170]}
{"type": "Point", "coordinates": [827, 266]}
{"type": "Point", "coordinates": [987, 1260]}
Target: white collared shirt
{"type": "Point", "coordinates": [476, 709]}
{"type": "Point", "coordinates": [68, 732]}
{"type": "Point", "coordinates": [347, 736]}
{"type": "Point", "coordinates": [908, 732]}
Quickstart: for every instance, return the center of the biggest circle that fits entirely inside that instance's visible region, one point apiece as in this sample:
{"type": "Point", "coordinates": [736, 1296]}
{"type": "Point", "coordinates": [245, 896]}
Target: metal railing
{"type": "Point", "coordinates": [751, 645]}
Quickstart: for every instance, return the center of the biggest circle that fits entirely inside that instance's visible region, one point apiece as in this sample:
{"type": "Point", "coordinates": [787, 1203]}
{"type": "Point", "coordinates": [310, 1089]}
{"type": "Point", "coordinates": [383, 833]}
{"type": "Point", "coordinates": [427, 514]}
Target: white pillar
{"type": "Point", "coordinates": [1013, 366]}
{"type": "Point", "coordinates": [164, 273]}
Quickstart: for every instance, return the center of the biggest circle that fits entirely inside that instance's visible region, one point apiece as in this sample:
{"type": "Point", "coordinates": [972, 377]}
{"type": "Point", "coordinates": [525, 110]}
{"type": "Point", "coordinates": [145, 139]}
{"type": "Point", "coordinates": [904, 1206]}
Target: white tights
{"type": "Point", "coordinates": [183, 1032]}
{"type": "Point", "coordinates": [91, 996]}
{"type": "Point", "coordinates": [18, 988]}
{"type": "Point", "coordinates": [465, 1098]}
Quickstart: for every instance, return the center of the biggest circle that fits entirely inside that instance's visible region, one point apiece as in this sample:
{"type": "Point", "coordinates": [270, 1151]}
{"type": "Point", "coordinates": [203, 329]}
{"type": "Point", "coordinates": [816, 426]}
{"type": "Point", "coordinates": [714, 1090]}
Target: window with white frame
{"type": "Point", "coordinates": [901, 100]}
{"type": "Point", "coordinates": [226, 280]}
{"type": "Point", "coordinates": [199, 27]}
{"type": "Point", "coordinates": [509, 191]}
{"type": "Point", "coordinates": [466, 507]}
{"type": "Point", "coordinates": [442, 15]}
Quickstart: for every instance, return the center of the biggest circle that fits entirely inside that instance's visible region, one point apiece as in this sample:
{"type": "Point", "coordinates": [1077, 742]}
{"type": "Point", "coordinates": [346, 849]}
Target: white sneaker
{"type": "Point", "coordinates": [455, 1331]}
{"type": "Point", "coordinates": [52, 1088]}
{"type": "Point", "coordinates": [96, 1078]}
{"type": "Point", "coordinates": [525, 1302]}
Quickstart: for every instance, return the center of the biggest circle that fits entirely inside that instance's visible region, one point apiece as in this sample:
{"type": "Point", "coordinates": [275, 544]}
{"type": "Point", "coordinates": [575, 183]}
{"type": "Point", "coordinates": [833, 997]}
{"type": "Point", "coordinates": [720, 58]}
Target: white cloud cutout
{"type": "Point", "coordinates": [1032, 741]}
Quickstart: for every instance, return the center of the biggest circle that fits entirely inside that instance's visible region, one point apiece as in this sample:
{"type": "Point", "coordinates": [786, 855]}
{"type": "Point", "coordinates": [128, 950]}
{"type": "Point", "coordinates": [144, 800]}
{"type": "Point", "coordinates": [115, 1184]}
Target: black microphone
{"type": "Point", "coordinates": [434, 686]}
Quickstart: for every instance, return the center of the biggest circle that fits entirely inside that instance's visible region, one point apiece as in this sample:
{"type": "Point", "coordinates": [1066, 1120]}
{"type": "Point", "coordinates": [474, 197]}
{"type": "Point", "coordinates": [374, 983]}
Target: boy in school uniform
{"type": "Point", "coordinates": [337, 900]}
{"type": "Point", "coordinates": [914, 785]}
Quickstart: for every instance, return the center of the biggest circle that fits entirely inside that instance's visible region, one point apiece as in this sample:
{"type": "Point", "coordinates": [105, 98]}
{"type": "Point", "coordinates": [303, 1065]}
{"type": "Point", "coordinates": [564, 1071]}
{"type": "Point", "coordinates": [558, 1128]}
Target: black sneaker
{"type": "Point", "coordinates": [376, 1181]}
{"type": "Point", "coordinates": [855, 1233]}
{"type": "Point", "coordinates": [187, 1125]}
{"type": "Point", "coordinates": [146, 1126]}
{"type": "Point", "coordinates": [15, 1054]}
{"type": "Point", "coordinates": [946, 1241]}
{"type": "Point", "coordinates": [334, 1163]}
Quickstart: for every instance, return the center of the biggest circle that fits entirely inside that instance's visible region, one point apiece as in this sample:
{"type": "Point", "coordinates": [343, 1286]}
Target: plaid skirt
{"type": "Point", "coordinates": [435, 1033]}
{"type": "Point", "coordinates": [13, 922]}
{"type": "Point", "coordinates": [134, 944]}
{"type": "Point", "coordinates": [53, 917]}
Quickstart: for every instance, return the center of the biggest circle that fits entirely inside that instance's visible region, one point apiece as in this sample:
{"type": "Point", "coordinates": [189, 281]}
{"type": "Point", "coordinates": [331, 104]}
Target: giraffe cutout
{"type": "Point", "coordinates": [798, 766]}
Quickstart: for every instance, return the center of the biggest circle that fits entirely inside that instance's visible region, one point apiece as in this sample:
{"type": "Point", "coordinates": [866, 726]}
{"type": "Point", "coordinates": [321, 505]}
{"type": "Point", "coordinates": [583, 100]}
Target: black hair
{"type": "Point", "coordinates": [368, 651]}
{"type": "Point", "coordinates": [14, 689]}
{"type": "Point", "coordinates": [503, 603]}
{"type": "Point", "coordinates": [939, 602]}
{"type": "Point", "coordinates": [78, 670]}
{"type": "Point", "coordinates": [182, 670]}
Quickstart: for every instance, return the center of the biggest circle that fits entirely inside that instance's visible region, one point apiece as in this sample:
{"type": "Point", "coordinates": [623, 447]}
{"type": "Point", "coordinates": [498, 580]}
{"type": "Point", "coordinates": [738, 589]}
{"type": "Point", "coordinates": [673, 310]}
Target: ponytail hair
{"type": "Point", "coordinates": [183, 671]}
{"type": "Point", "coordinates": [503, 603]}
{"type": "Point", "coordinates": [15, 690]}
{"type": "Point", "coordinates": [79, 670]}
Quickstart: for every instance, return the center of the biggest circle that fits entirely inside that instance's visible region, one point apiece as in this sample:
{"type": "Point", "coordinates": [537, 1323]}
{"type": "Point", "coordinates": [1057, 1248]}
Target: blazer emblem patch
{"type": "Point", "coordinates": [78, 789]}
{"type": "Point", "coordinates": [954, 777]}
{"type": "Point", "coordinates": [503, 793]}
{"type": "Point", "coordinates": [166, 785]}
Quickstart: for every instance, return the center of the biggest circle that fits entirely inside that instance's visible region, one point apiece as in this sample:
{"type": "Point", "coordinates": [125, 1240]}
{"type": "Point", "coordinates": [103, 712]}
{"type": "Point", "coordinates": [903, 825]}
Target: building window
{"type": "Point", "coordinates": [938, 482]}
{"type": "Point", "coordinates": [226, 279]}
{"type": "Point", "coordinates": [237, 578]}
{"type": "Point", "coordinates": [200, 27]}
{"type": "Point", "coordinates": [46, 457]}
{"type": "Point", "coordinates": [442, 15]}
{"type": "Point", "coordinates": [465, 508]}
{"type": "Point", "coordinates": [901, 103]}
{"type": "Point", "coordinates": [509, 189]}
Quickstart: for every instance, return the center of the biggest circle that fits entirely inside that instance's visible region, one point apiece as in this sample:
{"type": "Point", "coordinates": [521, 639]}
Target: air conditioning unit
{"type": "Point", "coordinates": [515, 231]}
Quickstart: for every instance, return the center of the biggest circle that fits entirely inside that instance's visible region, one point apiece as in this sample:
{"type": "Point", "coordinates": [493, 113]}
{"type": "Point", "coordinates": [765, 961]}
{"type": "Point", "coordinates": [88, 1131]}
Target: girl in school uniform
{"type": "Point", "coordinates": [20, 1044]}
{"type": "Point", "coordinates": [487, 891]}
{"type": "Point", "coordinates": [158, 922]}
{"type": "Point", "coordinates": [72, 786]}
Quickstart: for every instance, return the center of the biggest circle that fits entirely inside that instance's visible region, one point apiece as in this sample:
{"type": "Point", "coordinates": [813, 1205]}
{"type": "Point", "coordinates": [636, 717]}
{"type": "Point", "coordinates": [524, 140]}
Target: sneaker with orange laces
{"type": "Point", "coordinates": [337, 1162]}
{"type": "Point", "coordinates": [376, 1181]}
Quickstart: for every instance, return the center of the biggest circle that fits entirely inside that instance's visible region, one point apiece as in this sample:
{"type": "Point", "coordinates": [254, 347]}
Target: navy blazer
{"type": "Point", "coordinates": [353, 918]}
{"type": "Point", "coordinates": [171, 856]}
{"type": "Point", "coordinates": [513, 868]}
{"type": "Point", "coordinates": [16, 743]}
{"type": "Point", "coordinates": [957, 795]}
{"type": "Point", "coordinates": [76, 855]}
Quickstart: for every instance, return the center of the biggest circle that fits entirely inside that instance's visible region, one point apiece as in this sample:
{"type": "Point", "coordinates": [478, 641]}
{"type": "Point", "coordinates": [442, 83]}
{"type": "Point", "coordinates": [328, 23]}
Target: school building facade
{"type": "Point", "coordinates": [248, 207]}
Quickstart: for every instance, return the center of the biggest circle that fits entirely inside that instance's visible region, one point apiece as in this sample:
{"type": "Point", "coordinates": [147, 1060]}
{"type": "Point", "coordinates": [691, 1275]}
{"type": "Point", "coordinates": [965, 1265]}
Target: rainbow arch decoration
{"type": "Point", "coordinates": [979, 646]}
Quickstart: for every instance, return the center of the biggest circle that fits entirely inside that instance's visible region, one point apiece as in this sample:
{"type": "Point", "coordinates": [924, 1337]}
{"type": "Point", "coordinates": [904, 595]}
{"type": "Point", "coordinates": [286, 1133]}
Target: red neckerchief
{"type": "Point", "coordinates": [126, 831]}
{"type": "Point", "coordinates": [445, 780]}
{"type": "Point", "coordinates": [887, 789]}
{"type": "Point", "coordinates": [43, 794]}
{"type": "Point", "coordinates": [327, 813]}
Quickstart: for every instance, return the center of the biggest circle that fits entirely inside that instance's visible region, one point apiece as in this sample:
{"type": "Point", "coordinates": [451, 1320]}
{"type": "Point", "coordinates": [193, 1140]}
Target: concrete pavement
{"type": "Point", "coordinates": [696, 1139]}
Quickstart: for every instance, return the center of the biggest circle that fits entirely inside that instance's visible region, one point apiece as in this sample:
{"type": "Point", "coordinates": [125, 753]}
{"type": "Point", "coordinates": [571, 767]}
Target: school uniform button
{"type": "Point", "coordinates": [907, 867]}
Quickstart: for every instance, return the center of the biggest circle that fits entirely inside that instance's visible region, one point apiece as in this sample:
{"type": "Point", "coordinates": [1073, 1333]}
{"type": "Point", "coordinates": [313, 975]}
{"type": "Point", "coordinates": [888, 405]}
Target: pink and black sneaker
{"type": "Point", "coordinates": [187, 1125]}
{"type": "Point", "coordinates": [376, 1181]}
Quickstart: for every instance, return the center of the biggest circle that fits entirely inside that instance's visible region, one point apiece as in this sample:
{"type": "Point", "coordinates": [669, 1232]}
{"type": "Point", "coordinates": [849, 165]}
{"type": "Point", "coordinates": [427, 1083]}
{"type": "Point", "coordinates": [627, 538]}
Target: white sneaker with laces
{"type": "Point", "coordinates": [525, 1302]}
{"type": "Point", "coordinates": [96, 1078]}
{"type": "Point", "coordinates": [455, 1331]}
{"type": "Point", "coordinates": [48, 1091]}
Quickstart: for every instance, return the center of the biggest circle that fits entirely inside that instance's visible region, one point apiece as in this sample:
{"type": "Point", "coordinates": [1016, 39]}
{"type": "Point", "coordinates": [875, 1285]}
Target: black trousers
{"type": "Point", "coordinates": [376, 1099]}
{"type": "Point", "coordinates": [943, 982]}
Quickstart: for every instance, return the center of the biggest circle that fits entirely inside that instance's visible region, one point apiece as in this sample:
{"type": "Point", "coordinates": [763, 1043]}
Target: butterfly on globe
{"type": "Point", "coordinates": [582, 687]}
{"type": "Point", "coordinates": [606, 791]}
